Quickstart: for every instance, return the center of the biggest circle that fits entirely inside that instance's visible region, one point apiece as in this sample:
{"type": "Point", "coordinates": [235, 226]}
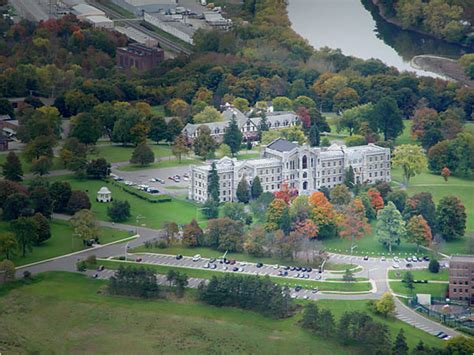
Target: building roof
{"type": "Point", "coordinates": [98, 19]}
{"type": "Point", "coordinates": [137, 36]}
{"type": "Point", "coordinates": [87, 10]}
{"type": "Point", "coordinates": [151, 2]}
{"type": "Point", "coordinates": [282, 145]}
{"type": "Point", "coordinates": [463, 258]}
{"type": "Point", "coordinates": [231, 112]}
{"type": "Point", "coordinates": [104, 190]}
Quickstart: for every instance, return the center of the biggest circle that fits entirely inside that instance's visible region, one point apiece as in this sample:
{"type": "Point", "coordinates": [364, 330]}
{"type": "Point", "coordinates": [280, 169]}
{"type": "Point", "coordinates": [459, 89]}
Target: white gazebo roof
{"type": "Point", "coordinates": [104, 190]}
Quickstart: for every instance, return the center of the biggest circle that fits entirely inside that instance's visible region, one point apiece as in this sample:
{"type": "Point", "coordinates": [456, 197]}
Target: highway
{"type": "Point", "coordinates": [164, 42]}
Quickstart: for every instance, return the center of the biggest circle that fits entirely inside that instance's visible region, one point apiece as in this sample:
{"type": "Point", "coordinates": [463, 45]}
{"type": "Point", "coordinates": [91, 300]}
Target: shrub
{"type": "Point", "coordinates": [91, 259]}
{"type": "Point", "coordinates": [434, 266]}
{"type": "Point", "coordinates": [81, 266]}
{"type": "Point", "coordinates": [355, 140]}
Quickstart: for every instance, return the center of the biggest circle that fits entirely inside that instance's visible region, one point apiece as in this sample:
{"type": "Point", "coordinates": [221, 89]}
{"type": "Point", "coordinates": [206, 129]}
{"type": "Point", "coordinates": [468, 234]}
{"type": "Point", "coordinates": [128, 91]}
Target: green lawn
{"type": "Point", "coordinates": [81, 317]}
{"type": "Point", "coordinates": [61, 242]}
{"type": "Point", "coordinates": [435, 184]}
{"type": "Point", "coordinates": [155, 213]}
{"type": "Point", "coordinates": [406, 137]}
{"type": "Point", "coordinates": [118, 153]}
{"type": "Point", "coordinates": [207, 274]}
{"type": "Point", "coordinates": [443, 275]}
{"type": "Point", "coordinates": [435, 289]}
{"type": "Point", "coordinates": [338, 267]}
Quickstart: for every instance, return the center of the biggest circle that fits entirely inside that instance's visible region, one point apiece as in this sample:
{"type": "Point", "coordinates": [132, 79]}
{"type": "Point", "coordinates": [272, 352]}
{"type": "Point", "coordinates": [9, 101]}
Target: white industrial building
{"type": "Point", "coordinates": [137, 7]}
{"type": "Point", "coordinates": [306, 169]}
{"type": "Point", "coordinates": [137, 36]}
{"type": "Point", "coordinates": [82, 11]}
{"type": "Point", "coordinates": [171, 25]}
{"type": "Point", "coordinates": [100, 22]}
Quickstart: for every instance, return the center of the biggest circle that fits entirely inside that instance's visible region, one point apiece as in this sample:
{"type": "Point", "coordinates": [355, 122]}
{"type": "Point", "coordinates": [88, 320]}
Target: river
{"type": "Point", "coordinates": [355, 27]}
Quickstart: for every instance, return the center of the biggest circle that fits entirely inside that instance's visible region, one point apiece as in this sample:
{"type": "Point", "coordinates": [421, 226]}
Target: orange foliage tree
{"type": "Point", "coordinates": [307, 228]}
{"type": "Point", "coordinates": [353, 224]}
{"type": "Point", "coordinates": [286, 194]}
{"type": "Point", "coordinates": [376, 200]}
{"type": "Point", "coordinates": [445, 173]}
{"type": "Point", "coordinates": [323, 210]}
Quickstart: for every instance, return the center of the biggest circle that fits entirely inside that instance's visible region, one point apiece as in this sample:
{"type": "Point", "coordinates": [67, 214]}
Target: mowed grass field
{"type": "Point", "coordinates": [155, 213]}
{"type": "Point", "coordinates": [434, 289]}
{"type": "Point", "coordinates": [62, 242]}
{"type": "Point", "coordinates": [82, 318]}
{"type": "Point", "coordinates": [442, 275]}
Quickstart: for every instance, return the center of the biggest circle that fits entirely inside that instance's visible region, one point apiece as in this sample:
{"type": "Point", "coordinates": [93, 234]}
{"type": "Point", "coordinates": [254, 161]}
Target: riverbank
{"type": "Point", "coordinates": [395, 22]}
{"type": "Point", "coordinates": [442, 66]}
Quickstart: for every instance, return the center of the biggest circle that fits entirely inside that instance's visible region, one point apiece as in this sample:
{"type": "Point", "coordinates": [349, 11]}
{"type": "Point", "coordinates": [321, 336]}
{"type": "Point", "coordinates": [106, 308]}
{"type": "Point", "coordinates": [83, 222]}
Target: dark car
{"type": "Point", "coordinates": [298, 268]}
{"type": "Point", "coordinates": [138, 260]}
{"type": "Point", "coordinates": [426, 258]}
{"type": "Point", "coordinates": [232, 262]}
{"type": "Point", "coordinates": [366, 257]}
{"type": "Point", "coordinates": [409, 265]}
{"type": "Point", "coordinates": [212, 260]}
{"type": "Point", "coordinates": [286, 268]}
{"type": "Point", "coordinates": [309, 269]}
{"type": "Point", "coordinates": [303, 269]}
{"type": "Point", "coordinates": [179, 257]}
{"type": "Point", "coordinates": [292, 268]}
{"type": "Point", "coordinates": [259, 265]}
{"type": "Point", "coordinates": [235, 268]}
{"type": "Point", "coordinates": [298, 288]}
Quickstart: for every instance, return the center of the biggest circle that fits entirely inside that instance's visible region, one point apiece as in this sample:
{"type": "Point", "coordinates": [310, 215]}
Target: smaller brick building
{"type": "Point", "coordinates": [461, 278]}
{"type": "Point", "coordinates": [139, 56]}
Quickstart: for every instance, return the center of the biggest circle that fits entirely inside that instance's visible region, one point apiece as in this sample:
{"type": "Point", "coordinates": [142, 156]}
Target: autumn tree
{"type": "Point", "coordinates": [445, 173]}
{"type": "Point", "coordinates": [323, 214]}
{"type": "Point", "coordinates": [418, 232]}
{"type": "Point", "coordinates": [8, 244]}
{"type": "Point", "coordinates": [85, 225]}
{"type": "Point", "coordinates": [354, 224]}
{"type": "Point", "coordinates": [274, 214]}
{"type": "Point", "coordinates": [376, 200]}
{"type": "Point", "coordinates": [385, 305]}
{"type": "Point", "coordinates": [209, 114]}
{"type": "Point", "coordinates": [204, 145]}
{"type": "Point", "coordinates": [192, 234]}
{"type": "Point", "coordinates": [255, 241]}
{"type": "Point", "coordinates": [340, 195]}
{"type": "Point", "coordinates": [411, 159]}
{"type": "Point", "coordinates": [179, 147]}
{"type": "Point", "coordinates": [390, 226]}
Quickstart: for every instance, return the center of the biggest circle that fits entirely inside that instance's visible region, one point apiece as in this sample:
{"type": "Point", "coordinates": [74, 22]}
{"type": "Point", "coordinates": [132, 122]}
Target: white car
{"type": "Point", "coordinates": [395, 265]}
{"type": "Point", "coordinates": [197, 257]}
{"type": "Point", "coordinates": [395, 259]}
{"type": "Point", "coordinates": [206, 266]}
{"type": "Point", "coordinates": [382, 258]}
{"type": "Point", "coordinates": [276, 266]}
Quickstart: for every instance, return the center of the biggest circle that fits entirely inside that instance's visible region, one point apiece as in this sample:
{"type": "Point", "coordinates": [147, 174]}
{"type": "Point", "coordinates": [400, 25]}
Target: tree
{"type": "Point", "coordinates": [234, 211]}
{"type": "Point", "coordinates": [399, 198]}
{"type": "Point", "coordinates": [352, 118]}
{"type": "Point", "coordinates": [421, 204]}
{"type": "Point", "coordinates": [25, 233]}
{"type": "Point", "coordinates": [310, 319]}
{"type": "Point", "coordinates": [254, 243]}
{"type": "Point", "coordinates": [386, 118]}
{"type": "Point", "coordinates": [86, 128]}
{"type": "Point", "coordinates": [385, 305]}
{"type": "Point", "coordinates": [78, 201]}
{"type": "Point", "coordinates": [233, 136]}
{"type": "Point", "coordinates": [327, 323]}
{"type": "Point", "coordinates": [411, 159]}
{"type": "Point", "coordinates": [418, 232]}
{"type": "Point", "coordinates": [8, 244]}
{"type": "Point", "coordinates": [408, 280]}
{"type": "Point", "coordinates": [256, 189]}
{"type": "Point", "coordinates": [158, 129]}
{"type": "Point", "coordinates": [204, 145]}
{"type": "Point", "coordinates": [400, 347]}
{"type": "Point", "coordinates": [433, 266]}
{"type": "Point", "coordinates": [460, 345]}
{"type": "Point", "coordinates": [243, 192]}
{"type": "Point", "coordinates": [85, 225]}
{"type": "Point", "coordinates": [346, 98]}
{"type": "Point", "coordinates": [98, 169]}
{"type": "Point", "coordinates": [179, 147]}
{"type": "Point", "coordinates": [282, 103]}
{"type": "Point", "coordinates": [12, 169]}
{"type": "Point", "coordinates": [390, 226]}
{"type": "Point", "coordinates": [119, 211]}
{"type": "Point", "coordinates": [451, 217]}
{"type": "Point", "coordinates": [340, 195]}
{"type": "Point", "coordinates": [60, 192]}
{"type": "Point", "coordinates": [213, 183]}
{"type": "Point", "coordinates": [173, 129]}
{"type": "Point", "coordinates": [192, 234]}
{"type": "Point", "coordinates": [348, 276]}
{"type": "Point", "coordinates": [300, 209]}
{"type": "Point", "coordinates": [41, 166]}
{"type": "Point", "coordinates": [349, 179]}
{"type": "Point", "coordinates": [354, 224]}
{"type": "Point", "coordinates": [180, 281]}
{"type": "Point", "coordinates": [15, 206]}
{"type": "Point", "coordinates": [7, 268]}
{"type": "Point", "coordinates": [274, 214]}
{"type": "Point", "coordinates": [225, 234]}
{"type": "Point", "coordinates": [43, 229]}
{"type": "Point", "coordinates": [143, 155]}
{"type": "Point", "coordinates": [209, 114]}
{"type": "Point", "coordinates": [375, 198]}
{"type": "Point", "coordinates": [445, 173]}
{"type": "Point", "coordinates": [314, 136]}
{"type": "Point", "coordinates": [210, 208]}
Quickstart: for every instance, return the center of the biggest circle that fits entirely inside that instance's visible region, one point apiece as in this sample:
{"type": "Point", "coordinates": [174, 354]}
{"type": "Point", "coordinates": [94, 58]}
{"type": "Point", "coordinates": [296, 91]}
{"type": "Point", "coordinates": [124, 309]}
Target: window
{"type": "Point", "coordinates": [305, 185]}
{"type": "Point", "coordinates": [305, 162]}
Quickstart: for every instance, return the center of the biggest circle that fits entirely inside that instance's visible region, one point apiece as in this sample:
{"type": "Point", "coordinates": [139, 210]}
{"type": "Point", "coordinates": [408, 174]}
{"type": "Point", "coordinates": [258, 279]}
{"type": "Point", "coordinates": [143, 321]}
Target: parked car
{"type": "Point", "coordinates": [408, 265]}
{"type": "Point", "coordinates": [315, 290]}
{"type": "Point", "coordinates": [395, 265]}
{"type": "Point", "coordinates": [309, 269]}
{"type": "Point", "coordinates": [259, 265]}
{"type": "Point", "coordinates": [138, 260]}
{"type": "Point", "coordinates": [395, 258]}
{"type": "Point", "coordinates": [286, 267]}
{"type": "Point", "coordinates": [206, 266]}
{"type": "Point", "coordinates": [426, 258]}
{"type": "Point", "coordinates": [235, 268]}
{"type": "Point", "coordinates": [298, 288]}
{"type": "Point", "coordinates": [382, 258]}
{"type": "Point", "coordinates": [212, 260]}
{"type": "Point", "coordinates": [179, 257]}
{"type": "Point", "coordinates": [366, 257]}
{"type": "Point", "coordinates": [197, 257]}
{"type": "Point", "coordinates": [213, 266]}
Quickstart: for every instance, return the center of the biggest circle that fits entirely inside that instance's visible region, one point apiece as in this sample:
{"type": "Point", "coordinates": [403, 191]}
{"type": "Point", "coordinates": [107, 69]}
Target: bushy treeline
{"type": "Point", "coordinates": [247, 292]}
{"type": "Point", "coordinates": [137, 282]}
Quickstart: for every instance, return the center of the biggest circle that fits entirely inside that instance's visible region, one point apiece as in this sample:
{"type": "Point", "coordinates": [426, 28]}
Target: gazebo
{"type": "Point", "coordinates": [104, 195]}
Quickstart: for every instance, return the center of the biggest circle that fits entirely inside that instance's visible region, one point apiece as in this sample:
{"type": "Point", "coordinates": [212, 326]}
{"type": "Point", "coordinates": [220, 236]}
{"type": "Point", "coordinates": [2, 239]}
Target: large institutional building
{"type": "Point", "coordinates": [304, 168]}
{"type": "Point", "coordinates": [461, 278]}
{"type": "Point", "coordinates": [248, 125]}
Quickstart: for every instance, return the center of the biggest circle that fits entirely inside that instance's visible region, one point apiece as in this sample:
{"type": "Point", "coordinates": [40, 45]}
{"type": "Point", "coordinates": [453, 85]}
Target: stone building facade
{"type": "Point", "coordinates": [304, 168]}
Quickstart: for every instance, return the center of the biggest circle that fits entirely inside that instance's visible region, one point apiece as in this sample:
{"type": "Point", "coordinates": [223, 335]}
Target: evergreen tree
{"type": "Point", "coordinates": [314, 136]}
{"type": "Point", "coordinates": [204, 145]}
{"type": "Point", "coordinates": [213, 183]}
{"type": "Point", "coordinates": [349, 179]}
{"type": "Point", "coordinates": [243, 193]}
{"type": "Point", "coordinates": [400, 347]}
{"type": "Point", "coordinates": [310, 319]}
{"type": "Point", "coordinates": [256, 189]}
{"type": "Point", "coordinates": [408, 280]}
{"type": "Point", "coordinates": [233, 136]}
{"type": "Point", "coordinates": [142, 155]}
{"type": "Point", "coordinates": [263, 127]}
{"type": "Point", "coordinates": [285, 221]}
{"type": "Point", "coordinates": [210, 209]}
{"type": "Point", "coordinates": [12, 169]}
{"type": "Point", "coordinates": [326, 322]}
